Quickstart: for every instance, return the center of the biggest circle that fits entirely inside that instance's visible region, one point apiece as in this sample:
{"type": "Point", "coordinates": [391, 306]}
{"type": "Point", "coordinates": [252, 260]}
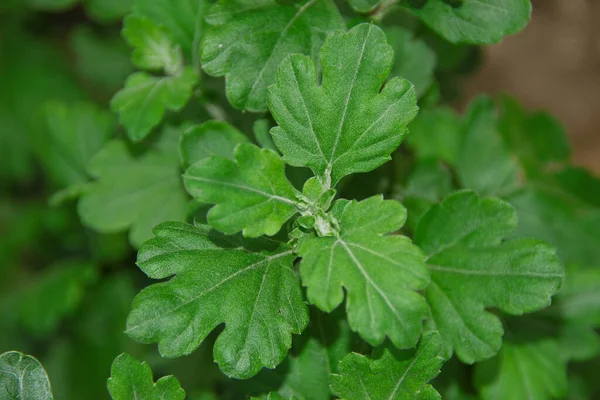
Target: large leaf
{"type": "Point", "coordinates": [391, 374]}
{"type": "Point", "coordinates": [249, 39]}
{"type": "Point", "coordinates": [141, 104]}
{"type": "Point", "coordinates": [347, 124]}
{"type": "Point", "coordinates": [135, 192]}
{"type": "Point", "coordinates": [474, 21]}
{"type": "Point", "coordinates": [473, 268]}
{"type": "Point", "coordinates": [131, 379]}
{"type": "Point", "coordinates": [22, 377]}
{"type": "Point", "coordinates": [218, 280]}
{"type": "Point", "coordinates": [251, 191]}
{"type": "Point", "coordinates": [380, 272]}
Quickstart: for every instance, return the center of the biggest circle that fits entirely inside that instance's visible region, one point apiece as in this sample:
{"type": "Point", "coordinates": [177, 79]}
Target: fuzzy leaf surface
{"type": "Point", "coordinates": [474, 21]}
{"type": "Point", "coordinates": [251, 191]}
{"type": "Point", "coordinates": [22, 377]}
{"type": "Point", "coordinates": [380, 272]}
{"type": "Point", "coordinates": [391, 374]}
{"type": "Point", "coordinates": [135, 192]}
{"type": "Point", "coordinates": [141, 104]}
{"type": "Point", "coordinates": [212, 138]}
{"type": "Point", "coordinates": [131, 379]}
{"type": "Point", "coordinates": [348, 124]}
{"type": "Point", "coordinates": [247, 51]}
{"type": "Point", "coordinates": [248, 285]}
{"type": "Point", "coordinates": [473, 268]}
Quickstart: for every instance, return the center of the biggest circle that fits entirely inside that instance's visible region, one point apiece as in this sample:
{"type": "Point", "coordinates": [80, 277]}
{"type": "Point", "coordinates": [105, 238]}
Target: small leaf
{"type": "Point", "coordinates": [363, 6]}
{"type": "Point", "coordinates": [391, 374]}
{"type": "Point", "coordinates": [380, 272]}
{"type": "Point", "coordinates": [248, 285]}
{"type": "Point", "coordinates": [247, 51]}
{"type": "Point", "coordinates": [153, 50]}
{"type": "Point", "coordinates": [22, 377]}
{"type": "Point", "coordinates": [251, 192]}
{"type": "Point", "coordinates": [473, 268]}
{"type": "Point", "coordinates": [131, 379]}
{"type": "Point", "coordinates": [142, 102]}
{"type": "Point", "coordinates": [135, 193]}
{"type": "Point", "coordinates": [528, 370]}
{"type": "Point", "coordinates": [348, 124]}
{"type": "Point", "coordinates": [212, 138]}
{"type": "Point", "coordinates": [474, 21]}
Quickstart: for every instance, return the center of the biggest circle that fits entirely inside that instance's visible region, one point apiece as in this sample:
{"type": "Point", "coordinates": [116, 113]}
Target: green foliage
{"type": "Point", "coordinates": [22, 377]}
{"type": "Point", "coordinates": [314, 254]}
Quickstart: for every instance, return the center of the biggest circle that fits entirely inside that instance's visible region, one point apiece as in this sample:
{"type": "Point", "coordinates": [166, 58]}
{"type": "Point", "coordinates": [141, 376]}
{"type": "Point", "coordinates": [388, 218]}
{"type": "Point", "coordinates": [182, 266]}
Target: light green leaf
{"type": "Point", "coordinates": [474, 21]}
{"type": "Point", "coordinates": [247, 51]}
{"type": "Point", "coordinates": [380, 272]}
{"type": "Point", "coordinates": [71, 136]}
{"type": "Point", "coordinates": [152, 48]}
{"type": "Point", "coordinates": [105, 11]}
{"type": "Point", "coordinates": [212, 138]}
{"type": "Point", "coordinates": [414, 60]}
{"type": "Point", "coordinates": [131, 379]}
{"type": "Point", "coordinates": [251, 191]}
{"type": "Point", "coordinates": [349, 123]}
{"type": "Point", "coordinates": [102, 60]}
{"type": "Point", "coordinates": [142, 102]}
{"type": "Point", "coordinates": [528, 370]}
{"type": "Point", "coordinates": [182, 19]}
{"type": "Point", "coordinates": [248, 285]}
{"type": "Point", "coordinates": [391, 374]}
{"type": "Point", "coordinates": [22, 377]}
{"type": "Point", "coordinates": [53, 295]}
{"type": "Point", "coordinates": [437, 133]}
{"type": "Point", "coordinates": [484, 163]}
{"type": "Point", "coordinates": [473, 268]}
{"type": "Point", "coordinates": [262, 135]}
{"type": "Point", "coordinates": [135, 192]}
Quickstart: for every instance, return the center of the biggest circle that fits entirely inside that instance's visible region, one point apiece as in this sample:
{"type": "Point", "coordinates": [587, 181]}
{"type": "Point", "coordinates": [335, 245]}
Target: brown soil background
{"type": "Point", "coordinates": [554, 64]}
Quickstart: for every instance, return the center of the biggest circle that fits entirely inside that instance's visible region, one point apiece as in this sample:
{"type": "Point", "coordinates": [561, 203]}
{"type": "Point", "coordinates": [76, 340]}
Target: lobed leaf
{"type": "Point", "coordinates": [391, 374]}
{"type": "Point", "coordinates": [251, 191]}
{"type": "Point", "coordinates": [22, 377]}
{"type": "Point", "coordinates": [247, 51]}
{"type": "Point", "coordinates": [131, 379]}
{"type": "Point", "coordinates": [248, 285]}
{"type": "Point", "coordinates": [380, 272]}
{"type": "Point", "coordinates": [348, 124]}
{"type": "Point", "coordinates": [474, 268]}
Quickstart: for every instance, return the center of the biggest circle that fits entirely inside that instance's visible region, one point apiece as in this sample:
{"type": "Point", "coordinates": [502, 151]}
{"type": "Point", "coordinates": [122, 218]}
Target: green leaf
{"type": "Point", "coordinates": [153, 50]}
{"type": "Point", "coordinates": [414, 60]}
{"type": "Point", "coordinates": [349, 123]}
{"type": "Point", "coordinates": [53, 295]}
{"type": "Point", "coordinates": [182, 19]}
{"type": "Point", "coordinates": [485, 163]}
{"type": "Point", "coordinates": [102, 60]}
{"type": "Point", "coordinates": [22, 377]}
{"type": "Point", "coordinates": [473, 268]}
{"type": "Point", "coordinates": [250, 38]}
{"type": "Point", "coordinates": [212, 138]}
{"type": "Point", "coordinates": [261, 129]}
{"type": "Point", "coordinates": [579, 300]}
{"type": "Point", "coordinates": [141, 104]}
{"type": "Point", "coordinates": [131, 379]}
{"type": "Point", "coordinates": [218, 280]}
{"type": "Point", "coordinates": [251, 191]}
{"type": "Point", "coordinates": [528, 370]}
{"type": "Point", "coordinates": [391, 374]}
{"type": "Point", "coordinates": [363, 6]}
{"type": "Point", "coordinates": [135, 192]}
{"type": "Point", "coordinates": [437, 133]}
{"type": "Point", "coordinates": [474, 21]}
{"type": "Point", "coordinates": [72, 134]}
{"type": "Point", "coordinates": [106, 11]}
{"type": "Point", "coordinates": [380, 272]}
